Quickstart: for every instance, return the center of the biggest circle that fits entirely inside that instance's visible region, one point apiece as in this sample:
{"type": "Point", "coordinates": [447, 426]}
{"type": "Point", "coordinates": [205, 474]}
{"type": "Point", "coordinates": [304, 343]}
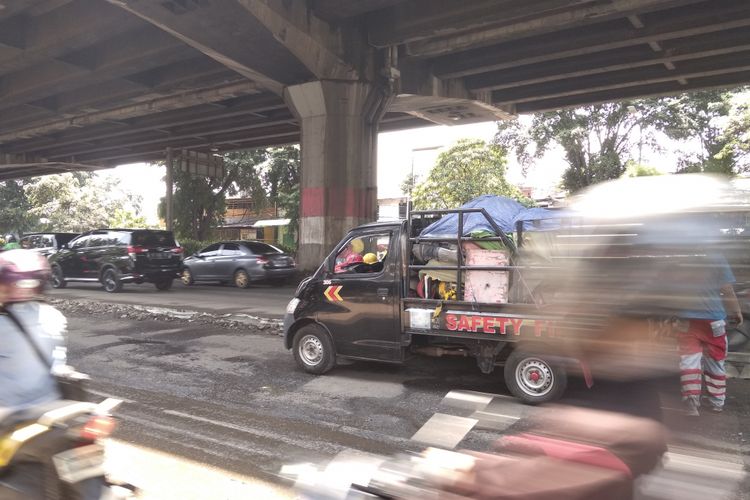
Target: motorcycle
{"type": "Point", "coordinates": [561, 453]}
{"type": "Point", "coordinates": [54, 451]}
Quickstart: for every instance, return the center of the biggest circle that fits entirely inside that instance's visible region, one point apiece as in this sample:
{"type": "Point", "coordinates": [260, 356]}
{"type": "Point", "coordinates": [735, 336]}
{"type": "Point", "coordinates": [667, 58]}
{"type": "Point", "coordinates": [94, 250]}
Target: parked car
{"type": "Point", "coordinates": [241, 262]}
{"type": "Point", "coordinates": [117, 256]}
{"type": "Point", "coordinates": [46, 243]}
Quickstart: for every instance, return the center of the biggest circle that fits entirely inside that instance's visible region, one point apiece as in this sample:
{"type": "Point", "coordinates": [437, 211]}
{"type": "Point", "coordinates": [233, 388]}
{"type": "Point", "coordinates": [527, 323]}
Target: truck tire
{"type": "Point", "coordinates": [534, 379]}
{"type": "Point", "coordinates": [313, 350]}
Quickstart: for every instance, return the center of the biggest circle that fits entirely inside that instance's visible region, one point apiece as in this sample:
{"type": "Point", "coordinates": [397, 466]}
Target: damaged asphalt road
{"type": "Point", "coordinates": [228, 394]}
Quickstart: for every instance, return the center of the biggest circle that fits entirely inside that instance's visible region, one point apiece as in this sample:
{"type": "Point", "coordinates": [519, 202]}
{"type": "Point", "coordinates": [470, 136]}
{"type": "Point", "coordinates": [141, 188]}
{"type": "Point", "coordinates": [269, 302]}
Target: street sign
{"type": "Point", "coordinates": [200, 164]}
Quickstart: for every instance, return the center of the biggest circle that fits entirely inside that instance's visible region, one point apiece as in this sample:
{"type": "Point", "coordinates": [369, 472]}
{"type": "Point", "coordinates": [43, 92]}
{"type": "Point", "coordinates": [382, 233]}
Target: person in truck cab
{"type": "Point", "coordinates": [350, 256]}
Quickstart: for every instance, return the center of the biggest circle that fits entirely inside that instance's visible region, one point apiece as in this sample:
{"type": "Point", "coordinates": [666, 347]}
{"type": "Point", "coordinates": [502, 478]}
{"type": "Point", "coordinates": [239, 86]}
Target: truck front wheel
{"type": "Point", "coordinates": [533, 379]}
{"type": "Point", "coordinates": [313, 350]}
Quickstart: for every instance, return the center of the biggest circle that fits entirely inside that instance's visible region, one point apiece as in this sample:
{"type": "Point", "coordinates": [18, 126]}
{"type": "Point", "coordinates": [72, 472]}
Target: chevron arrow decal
{"type": "Point", "coordinates": [332, 293]}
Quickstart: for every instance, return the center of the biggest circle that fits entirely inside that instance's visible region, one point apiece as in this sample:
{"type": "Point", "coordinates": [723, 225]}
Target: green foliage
{"type": "Point", "coordinates": [189, 246]}
{"type": "Point", "coordinates": [14, 207]}
{"type": "Point", "coordinates": [469, 169]}
{"type": "Point", "coordinates": [736, 137]}
{"type": "Point", "coordinates": [78, 202]}
{"type": "Point", "coordinates": [633, 169]}
{"type": "Point", "coordinates": [701, 117]}
{"type": "Point", "coordinates": [409, 183]}
{"type": "Point", "coordinates": [126, 219]}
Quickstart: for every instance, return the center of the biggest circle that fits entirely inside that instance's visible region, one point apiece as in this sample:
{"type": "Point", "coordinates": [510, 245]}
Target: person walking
{"type": "Point", "coordinates": [702, 336]}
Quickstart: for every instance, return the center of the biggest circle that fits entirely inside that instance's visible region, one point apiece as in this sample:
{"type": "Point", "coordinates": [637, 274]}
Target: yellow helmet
{"type": "Point", "coordinates": [357, 245]}
{"type": "Point", "coordinates": [370, 258]}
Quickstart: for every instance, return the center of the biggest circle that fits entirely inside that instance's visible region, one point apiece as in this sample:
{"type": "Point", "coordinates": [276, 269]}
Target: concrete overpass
{"type": "Point", "coordinates": [88, 84]}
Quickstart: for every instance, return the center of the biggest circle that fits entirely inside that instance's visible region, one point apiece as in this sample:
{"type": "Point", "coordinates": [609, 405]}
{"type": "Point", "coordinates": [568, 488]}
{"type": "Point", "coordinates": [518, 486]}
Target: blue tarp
{"type": "Point", "coordinates": [504, 211]}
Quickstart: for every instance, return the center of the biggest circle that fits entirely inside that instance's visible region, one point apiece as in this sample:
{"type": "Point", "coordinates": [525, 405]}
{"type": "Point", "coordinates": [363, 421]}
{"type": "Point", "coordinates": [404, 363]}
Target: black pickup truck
{"type": "Point", "coordinates": [385, 307]}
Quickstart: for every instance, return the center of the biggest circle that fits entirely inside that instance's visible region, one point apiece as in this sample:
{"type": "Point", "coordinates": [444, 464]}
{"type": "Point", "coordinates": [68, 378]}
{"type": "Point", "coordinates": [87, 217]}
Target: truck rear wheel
{"type": "Point", "coordinates": [313, 350]}
{"type": "Point", "coordinates": [534, 379]}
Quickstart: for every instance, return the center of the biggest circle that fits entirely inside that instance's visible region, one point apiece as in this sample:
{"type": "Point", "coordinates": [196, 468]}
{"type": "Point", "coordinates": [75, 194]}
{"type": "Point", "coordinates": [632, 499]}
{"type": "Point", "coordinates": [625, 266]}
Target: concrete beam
{"type": "Point", "coordinates": [536, 23]}
{"type": "Point", "coordinates": [162, 122]}
{"type": "Point", "coordinates": [73, 27]}
{"type": "Point", "coordinates": [139, 109]}
{"type": "Point", "coordinates": [724, 15]}
{"type": "Point", "coordinates": [637, 92]}
{"type": "Point", "coordinates": [34, 169]}
{"type": "Point", "coordinates": [216, 128]}
{"type": "Point", "coordinates": [337, 10]}
{"type": "Point", "coordinates": [214, 31]}
{"type": "Point", "coordinates": [312, 41]}
{"type": "Point", "coordinates": [56, 76]}
{"type": "Point", "coordinates": [731, 63]}
{"type": "Point", "coordinates": [285, 134]}
{"type": "Point", "coordinates": [605, 62]}
{"type": "Point", "coordinates": [424, 19]}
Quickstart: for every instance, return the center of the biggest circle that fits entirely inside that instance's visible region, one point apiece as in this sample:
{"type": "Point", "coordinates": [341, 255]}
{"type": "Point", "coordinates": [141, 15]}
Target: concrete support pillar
{"type": "Point", "coordinates": [339, 126]}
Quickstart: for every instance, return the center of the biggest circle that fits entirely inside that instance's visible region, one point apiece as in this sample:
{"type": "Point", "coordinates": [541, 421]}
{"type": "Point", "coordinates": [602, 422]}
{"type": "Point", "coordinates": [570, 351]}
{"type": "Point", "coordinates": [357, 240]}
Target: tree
{"type": "Point", "coordinates": [469, 169]}
{"type": "Point", "coordinates": [594, 139]}
{"type": "Point", "coordinates": [409, 183]}
{"type": "Point", "coordinates": [634, 169]}
{"type": "Point", "coordinates": [736, 138]}
{"type": "Point", "coordinates": [698, 117]}
{"type": "Point", "coordinates": [598, 140]}
{"type": "Point", "coordinates": [79, 202]}
{"type": "Point", "coordinates": [14, 207]}
{"type": "Point", "coordinates": [268, 176]}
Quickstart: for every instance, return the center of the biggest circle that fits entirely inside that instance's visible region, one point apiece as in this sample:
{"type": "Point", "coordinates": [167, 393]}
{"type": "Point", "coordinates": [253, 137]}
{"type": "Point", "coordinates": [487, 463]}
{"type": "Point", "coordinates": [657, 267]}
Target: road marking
{"type": "Point", "coordinates": [105, 395]}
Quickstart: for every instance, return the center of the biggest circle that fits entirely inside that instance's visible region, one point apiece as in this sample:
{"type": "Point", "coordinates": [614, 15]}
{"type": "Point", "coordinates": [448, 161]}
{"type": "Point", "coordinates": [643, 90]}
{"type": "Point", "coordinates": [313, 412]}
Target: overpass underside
{"type": "Point", "coordinates": [88, 84]}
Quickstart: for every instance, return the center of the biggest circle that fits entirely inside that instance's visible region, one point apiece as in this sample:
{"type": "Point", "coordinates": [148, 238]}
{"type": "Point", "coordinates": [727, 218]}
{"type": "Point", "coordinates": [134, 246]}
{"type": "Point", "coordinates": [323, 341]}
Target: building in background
{"type": "Point", "coordinates": [244, 221]}
{"type": "Point", "coordinates": [392, 208]}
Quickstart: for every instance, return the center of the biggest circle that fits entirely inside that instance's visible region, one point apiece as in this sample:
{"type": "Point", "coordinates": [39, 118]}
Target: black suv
{"type": "Point", "coordinates": [116, 256]}
{"type": "Point", "coordinates": [46, 243]}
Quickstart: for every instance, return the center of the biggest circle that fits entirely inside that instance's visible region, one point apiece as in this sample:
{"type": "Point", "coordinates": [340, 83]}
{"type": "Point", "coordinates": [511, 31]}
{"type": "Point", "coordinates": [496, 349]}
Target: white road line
{"type": "Point", "coordinates": [106, 395]}
{"type": "Point", "coordinates": [255, 432]}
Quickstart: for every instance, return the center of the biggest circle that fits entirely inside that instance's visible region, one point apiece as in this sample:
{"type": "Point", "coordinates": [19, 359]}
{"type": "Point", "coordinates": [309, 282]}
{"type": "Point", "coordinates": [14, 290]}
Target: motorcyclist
{"type": "Point", "coordinates": [25, 380]}
{"type": "Point", "coordinates": [11, 242]}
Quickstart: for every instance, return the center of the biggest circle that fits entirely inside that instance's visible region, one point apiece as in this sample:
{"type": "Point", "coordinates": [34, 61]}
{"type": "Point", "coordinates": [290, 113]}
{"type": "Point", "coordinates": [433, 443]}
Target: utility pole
{"type": "Point", "coordinates": [169, 198]}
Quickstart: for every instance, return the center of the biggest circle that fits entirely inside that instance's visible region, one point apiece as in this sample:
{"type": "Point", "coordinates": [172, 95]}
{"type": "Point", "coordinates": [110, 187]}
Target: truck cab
{"type": "Point", "coordinates": [353, 304]}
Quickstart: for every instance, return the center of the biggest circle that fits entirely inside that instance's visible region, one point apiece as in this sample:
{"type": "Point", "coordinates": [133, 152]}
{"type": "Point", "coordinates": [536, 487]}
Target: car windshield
{"type": "Point", "coordinates": [63, 239]}
{"type": "Point", "coordinates": [153, 239]}
{"type": "Point", "coordinates": [259, 248]}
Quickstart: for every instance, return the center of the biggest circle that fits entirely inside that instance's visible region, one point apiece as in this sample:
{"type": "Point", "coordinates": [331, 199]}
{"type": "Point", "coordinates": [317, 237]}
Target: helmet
{"type": "Point", "coordinates": [357, 245]}
{"type": "Point", "coordinates": [24, 273]}
{"type": "Point", "coordinates": [10, 238]}
{"type": "Point", "coordinates": [370, 258]}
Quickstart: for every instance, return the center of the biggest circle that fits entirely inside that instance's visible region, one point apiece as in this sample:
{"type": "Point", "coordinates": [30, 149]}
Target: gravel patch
{"type": "Point", "coordinates": [143, 313]}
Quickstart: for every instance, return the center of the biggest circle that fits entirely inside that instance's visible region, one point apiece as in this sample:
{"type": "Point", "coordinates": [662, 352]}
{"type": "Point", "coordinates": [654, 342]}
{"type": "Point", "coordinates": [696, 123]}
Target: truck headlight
{"type": "Point", "coordinates": [292, 306]}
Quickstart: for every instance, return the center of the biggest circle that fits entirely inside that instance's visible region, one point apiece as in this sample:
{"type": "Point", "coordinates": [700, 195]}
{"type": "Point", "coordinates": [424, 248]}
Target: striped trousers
{"type": "Point", "coordinates": [702, 357]}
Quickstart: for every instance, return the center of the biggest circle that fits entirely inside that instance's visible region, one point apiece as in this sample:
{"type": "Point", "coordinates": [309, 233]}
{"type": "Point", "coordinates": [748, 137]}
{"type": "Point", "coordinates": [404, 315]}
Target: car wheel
{"type": "Point", "coordinates": [111, 281]}
{"type": "Point", "coordinates": [57, 279]}
{"type": "Point", "coordinates": [163, 284]}
{"type": "Point", "coordinates": [533, 379]}
{"type": "Point", "coordinates": [187, 277]}
{"type": "Point", "coordinates": [241, 279]}
{"type": "Point", "coordinates": [313, 350]}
